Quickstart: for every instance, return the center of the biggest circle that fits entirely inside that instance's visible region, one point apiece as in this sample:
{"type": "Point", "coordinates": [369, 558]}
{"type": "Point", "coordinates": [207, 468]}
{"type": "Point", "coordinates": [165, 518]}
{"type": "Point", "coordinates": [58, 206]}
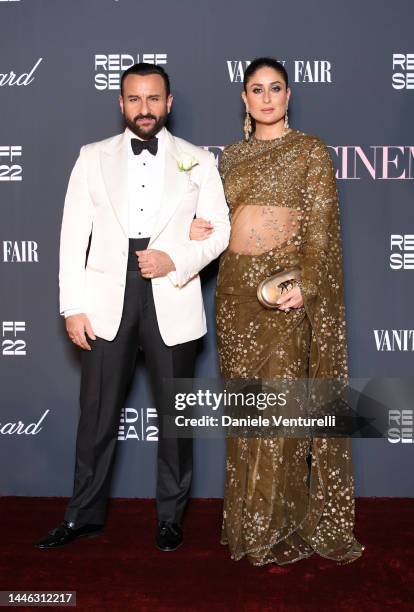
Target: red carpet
{"type": "Point", "coordinates": [122, 570]}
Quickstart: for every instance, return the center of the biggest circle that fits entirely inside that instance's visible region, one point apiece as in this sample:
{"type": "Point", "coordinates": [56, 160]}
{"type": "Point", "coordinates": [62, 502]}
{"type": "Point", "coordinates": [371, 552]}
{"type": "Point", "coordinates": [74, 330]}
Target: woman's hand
{"type": "Point", "coordinates": [200, 229]}
{"type": "Point", "coordinates": [291, 299]}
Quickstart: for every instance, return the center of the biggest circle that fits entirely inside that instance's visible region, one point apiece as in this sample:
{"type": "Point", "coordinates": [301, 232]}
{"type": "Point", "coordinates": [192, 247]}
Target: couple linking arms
{"type": "Point", "coordinates": [134, 196]}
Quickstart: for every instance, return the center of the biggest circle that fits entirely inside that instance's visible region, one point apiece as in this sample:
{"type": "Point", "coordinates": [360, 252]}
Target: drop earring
{"type": "Point", "coordinates": [247, 128]}
{"type": "Point", "coordinates": [286, 119]}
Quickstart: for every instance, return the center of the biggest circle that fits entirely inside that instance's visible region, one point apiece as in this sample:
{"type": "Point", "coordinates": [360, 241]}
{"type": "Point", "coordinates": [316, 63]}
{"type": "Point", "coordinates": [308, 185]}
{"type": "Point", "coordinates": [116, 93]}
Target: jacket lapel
{"type": "Point", "coordinates": [175, 184]}
{"type": "Point", "coordinates": [114, 166]}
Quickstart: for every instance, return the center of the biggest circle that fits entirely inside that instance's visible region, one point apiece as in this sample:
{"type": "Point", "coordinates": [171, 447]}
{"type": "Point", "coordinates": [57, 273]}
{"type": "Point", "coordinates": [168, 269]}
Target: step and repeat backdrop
{"type": "Point", "coordinates": [351, 66]}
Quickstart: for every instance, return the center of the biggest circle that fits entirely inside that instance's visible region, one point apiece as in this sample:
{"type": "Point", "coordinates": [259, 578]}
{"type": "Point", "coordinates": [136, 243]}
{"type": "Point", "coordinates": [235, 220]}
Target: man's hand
{"type": "Point", "coordinates": [290, 299]}
{"type": "Point", "coordinates": [76, 326]}
{"type": "Point", "coordinates": [154, 263]}
{"type": "Point", "coordinates": [200, 229]}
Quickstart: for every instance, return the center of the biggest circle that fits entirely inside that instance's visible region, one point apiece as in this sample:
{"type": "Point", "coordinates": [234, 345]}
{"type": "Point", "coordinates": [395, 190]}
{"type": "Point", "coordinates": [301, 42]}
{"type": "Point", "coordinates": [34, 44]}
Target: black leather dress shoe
{"type": "Point", "coordinates": [64, 534]}
{"type": "Point", "coordinates": [169, 536]}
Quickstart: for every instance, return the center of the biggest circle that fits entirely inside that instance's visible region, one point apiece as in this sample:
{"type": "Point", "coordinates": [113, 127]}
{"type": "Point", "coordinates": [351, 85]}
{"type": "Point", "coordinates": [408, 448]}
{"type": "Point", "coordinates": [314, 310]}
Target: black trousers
{"type": "Point", "coordinates": [106, 374]}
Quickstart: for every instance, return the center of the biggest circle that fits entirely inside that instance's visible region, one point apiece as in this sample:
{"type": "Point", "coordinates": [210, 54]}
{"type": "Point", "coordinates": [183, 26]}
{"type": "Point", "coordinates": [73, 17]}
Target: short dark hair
{"type": "Point", "coordinates": [143, 69]}
{"type": "Point", "coordinates": [265, 62]}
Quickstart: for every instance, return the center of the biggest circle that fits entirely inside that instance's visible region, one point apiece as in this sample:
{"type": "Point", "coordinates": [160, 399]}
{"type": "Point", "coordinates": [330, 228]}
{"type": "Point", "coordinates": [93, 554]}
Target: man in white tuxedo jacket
{"type": "Point", "coordinates": [133, 198]}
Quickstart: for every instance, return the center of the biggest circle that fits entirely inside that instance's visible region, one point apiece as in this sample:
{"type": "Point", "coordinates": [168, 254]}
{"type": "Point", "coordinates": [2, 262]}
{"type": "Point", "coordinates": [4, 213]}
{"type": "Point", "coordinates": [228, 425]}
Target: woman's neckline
{"type": "Point", "coordinates": [253, 138]}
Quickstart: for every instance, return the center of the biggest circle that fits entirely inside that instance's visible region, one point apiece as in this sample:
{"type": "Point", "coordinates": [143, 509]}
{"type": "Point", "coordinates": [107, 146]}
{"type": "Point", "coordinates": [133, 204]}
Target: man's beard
{"type": "Point", "coordinates": [146, 134]}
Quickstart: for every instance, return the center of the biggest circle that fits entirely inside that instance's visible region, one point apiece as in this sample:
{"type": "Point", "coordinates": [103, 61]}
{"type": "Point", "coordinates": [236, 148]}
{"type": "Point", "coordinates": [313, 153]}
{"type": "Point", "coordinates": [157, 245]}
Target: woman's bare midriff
{"type": "Point", "coordinates": [258, 229]}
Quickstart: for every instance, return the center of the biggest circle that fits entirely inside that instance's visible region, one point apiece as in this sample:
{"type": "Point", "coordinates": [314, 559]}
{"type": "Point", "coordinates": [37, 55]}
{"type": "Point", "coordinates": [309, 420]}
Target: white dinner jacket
{"type": "Point", "coordinates": [97, 202]}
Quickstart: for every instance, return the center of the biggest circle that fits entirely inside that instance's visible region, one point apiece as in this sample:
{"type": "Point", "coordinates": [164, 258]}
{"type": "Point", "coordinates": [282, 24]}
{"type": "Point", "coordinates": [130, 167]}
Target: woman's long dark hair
{"type": "Point", "coordinates": [265, 62]}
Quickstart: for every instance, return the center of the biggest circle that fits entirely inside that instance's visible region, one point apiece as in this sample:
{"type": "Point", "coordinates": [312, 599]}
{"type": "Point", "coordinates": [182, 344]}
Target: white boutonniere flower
{"type": "Point", "coordinates": [186, 162]}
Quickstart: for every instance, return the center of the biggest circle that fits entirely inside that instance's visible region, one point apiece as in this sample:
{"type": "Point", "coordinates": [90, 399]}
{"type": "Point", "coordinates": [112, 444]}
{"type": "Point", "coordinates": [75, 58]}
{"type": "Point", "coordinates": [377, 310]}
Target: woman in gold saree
{"type": "Point", "coordinates": [285, 498]}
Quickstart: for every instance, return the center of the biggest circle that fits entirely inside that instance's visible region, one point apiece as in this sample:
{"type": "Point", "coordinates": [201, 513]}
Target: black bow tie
{"type": "Point", "coordinates": [139, 145]}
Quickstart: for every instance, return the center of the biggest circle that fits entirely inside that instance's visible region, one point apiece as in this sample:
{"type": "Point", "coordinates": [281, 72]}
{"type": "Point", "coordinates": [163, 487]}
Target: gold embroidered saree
{"type": "Point", "coordinates": [285, 498]}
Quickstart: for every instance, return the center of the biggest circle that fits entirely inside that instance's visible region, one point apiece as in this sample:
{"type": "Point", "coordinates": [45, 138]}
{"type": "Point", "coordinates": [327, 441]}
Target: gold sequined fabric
{"type": "Point", "coordinates": [285, 498]}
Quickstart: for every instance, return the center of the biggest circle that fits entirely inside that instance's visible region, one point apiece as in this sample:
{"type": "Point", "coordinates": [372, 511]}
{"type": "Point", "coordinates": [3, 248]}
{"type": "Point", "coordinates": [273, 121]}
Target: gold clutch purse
{"type": "Point", "coordinates": [273, 287]}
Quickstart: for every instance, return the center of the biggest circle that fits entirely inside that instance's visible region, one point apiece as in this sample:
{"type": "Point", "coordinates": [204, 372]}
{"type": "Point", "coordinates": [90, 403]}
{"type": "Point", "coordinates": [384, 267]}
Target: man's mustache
{"type": "Point", "coordinates": [145, 117]}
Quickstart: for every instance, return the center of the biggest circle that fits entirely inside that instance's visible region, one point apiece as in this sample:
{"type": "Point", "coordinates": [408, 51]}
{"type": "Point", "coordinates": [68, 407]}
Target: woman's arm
{"type": "Point", "coordinates": [321, 210]}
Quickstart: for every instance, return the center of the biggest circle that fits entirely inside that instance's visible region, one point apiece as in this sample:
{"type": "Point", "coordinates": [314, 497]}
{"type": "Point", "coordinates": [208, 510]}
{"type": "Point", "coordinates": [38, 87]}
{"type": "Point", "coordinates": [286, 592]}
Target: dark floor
{"type": "Point", "coordinates": [122, 570]}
